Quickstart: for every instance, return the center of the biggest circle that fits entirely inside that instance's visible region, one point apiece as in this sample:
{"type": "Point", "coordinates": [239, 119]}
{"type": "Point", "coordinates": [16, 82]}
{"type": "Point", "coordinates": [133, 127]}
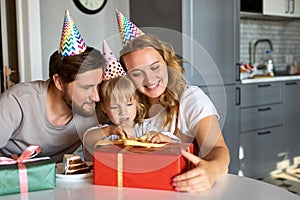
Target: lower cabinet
{"type": "Point", "coordinates": [292, 119]}
{"type": "Point", "coordinates": [262, 116]}
{"type": "Point", "coordinates": [260, 151]}
{"type": "Point", "coordinates": [261, 128]}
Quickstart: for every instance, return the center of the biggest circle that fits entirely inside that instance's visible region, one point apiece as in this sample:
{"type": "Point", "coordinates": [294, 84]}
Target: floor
{"type": "Point", "coordinates": [288, 179]}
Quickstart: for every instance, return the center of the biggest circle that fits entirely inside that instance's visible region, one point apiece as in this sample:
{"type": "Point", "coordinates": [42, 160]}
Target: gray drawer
{"type": "Point", "coordinates": [254, 118]}
{"type": "Point", "coordinates": [260, 93]}
{"type": "Point", "coordinates": [260, 151]}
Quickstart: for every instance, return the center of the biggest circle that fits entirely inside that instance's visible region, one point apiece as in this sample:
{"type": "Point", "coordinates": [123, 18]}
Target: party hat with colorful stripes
{"type": "Point", "coordinates": [127, 29]}
{"type": "Point", "coordinates": [71, 42]}
{"type": "Point", "coordinates": [113, 68]}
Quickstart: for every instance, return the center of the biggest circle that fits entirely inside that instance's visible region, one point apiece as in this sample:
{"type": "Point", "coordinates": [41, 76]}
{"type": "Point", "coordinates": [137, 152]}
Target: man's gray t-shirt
{"type": "Point", "coordinates": [23, 121]}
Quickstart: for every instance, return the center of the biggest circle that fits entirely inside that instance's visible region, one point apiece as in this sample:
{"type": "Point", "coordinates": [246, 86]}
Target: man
{"type": "Point", "coordinates": [54, 113]}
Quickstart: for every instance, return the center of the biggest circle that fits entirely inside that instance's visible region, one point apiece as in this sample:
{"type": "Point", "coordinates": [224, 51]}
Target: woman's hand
{"type": "Point", "coordinates": [214, 163]}
{"type": "Point", "coordinates": [157, 137]}
{"type": "Point", "coordinates": [201, 178]}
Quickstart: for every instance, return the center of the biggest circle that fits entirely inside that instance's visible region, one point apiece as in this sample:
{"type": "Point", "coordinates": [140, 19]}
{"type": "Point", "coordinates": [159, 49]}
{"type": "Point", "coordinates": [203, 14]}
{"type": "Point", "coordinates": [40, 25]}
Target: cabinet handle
{"type": "Point", "coordinates": [264, 109]}
{"type": "Point", "coordinates": [291, 83]}
{"type": "Point", "coordinates": [264, 133]}
{"type": "Point", "coordinates": [264, 85]}
{"type": "Point", "coordinates": [238, 96]}
{"type": "Point", "coordinates": [292, 7]}
{"type": "Point", "coordinates": [237, 71]}
{"type": "Point", "coordinates": [287, 6]}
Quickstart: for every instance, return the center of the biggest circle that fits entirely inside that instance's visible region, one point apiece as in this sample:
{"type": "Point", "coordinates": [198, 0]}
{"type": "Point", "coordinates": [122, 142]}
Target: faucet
{"type": "Point", "coordinates": [259, 41]}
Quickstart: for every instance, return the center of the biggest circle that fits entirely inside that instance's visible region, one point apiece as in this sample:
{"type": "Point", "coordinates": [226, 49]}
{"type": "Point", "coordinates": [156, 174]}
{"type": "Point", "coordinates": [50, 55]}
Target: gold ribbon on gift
{"type": "Point", "coordinates": [120, 165]}
{"type": "Point", "coordinates": [140, 141]}
{"type": "Point", "coordinates": [188, 161]}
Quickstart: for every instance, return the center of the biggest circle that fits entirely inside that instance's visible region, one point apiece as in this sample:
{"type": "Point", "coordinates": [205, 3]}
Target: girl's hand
{"type": "Point", "coordinates": [157, 137]}
{"type": "Point", "coordinates": [199, 179]}
{"type": "Point", "coordinates": [116, 130]}
{"type": "Point", "coordinates": [125, 131]}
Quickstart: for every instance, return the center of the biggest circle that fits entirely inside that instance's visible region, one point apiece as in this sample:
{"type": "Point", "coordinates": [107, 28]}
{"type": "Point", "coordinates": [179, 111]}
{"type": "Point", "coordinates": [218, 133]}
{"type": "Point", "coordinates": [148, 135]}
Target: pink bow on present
{"type": "Point", "coordinates": [26, 156]}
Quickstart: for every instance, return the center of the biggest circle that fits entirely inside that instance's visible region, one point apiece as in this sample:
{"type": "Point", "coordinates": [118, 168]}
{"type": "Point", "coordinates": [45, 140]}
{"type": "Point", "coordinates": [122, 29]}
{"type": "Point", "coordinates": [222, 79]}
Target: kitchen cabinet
{"type": "Point", "coordinates": [211, 26]}
{"type": "Point", "coordinates": [286, 8]}
{"type": "Point", "coordinates": [260, 94]}
{"type": "Point", "coordinates": [260, 117]}
{"type": "Point", "coordinates": [259, 151]}
{"type": "Point", "coordinates": [261, 128]}
{"type": "Point", "coordinates": [292, 117]}
{"type": "Point", "coordinates": [261, 106]}
{"type": "Point", "coordinates": [229, 119]}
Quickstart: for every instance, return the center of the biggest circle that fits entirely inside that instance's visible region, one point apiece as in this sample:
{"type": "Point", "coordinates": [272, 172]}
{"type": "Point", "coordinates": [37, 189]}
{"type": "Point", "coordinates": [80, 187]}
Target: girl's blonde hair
{"type": "Point", "coordinates": [116, 90]}
{"type": "Point", "coordinates": [176, 84]}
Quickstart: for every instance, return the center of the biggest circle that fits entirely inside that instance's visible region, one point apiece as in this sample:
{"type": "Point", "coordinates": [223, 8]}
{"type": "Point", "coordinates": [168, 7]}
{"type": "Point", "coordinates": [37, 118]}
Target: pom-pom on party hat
{"type": "Point", "coordinates": [71, 42]}
{"type": "Point", "coordinates": [113, 68]}
{"type": "Point", "coordinates": [127, 29]}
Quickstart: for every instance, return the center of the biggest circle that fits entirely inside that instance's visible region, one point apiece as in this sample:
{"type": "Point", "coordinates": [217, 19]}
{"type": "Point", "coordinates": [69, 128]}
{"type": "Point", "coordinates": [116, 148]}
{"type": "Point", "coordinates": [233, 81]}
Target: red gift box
{"type": "Point", "coordinates": [140, 167]}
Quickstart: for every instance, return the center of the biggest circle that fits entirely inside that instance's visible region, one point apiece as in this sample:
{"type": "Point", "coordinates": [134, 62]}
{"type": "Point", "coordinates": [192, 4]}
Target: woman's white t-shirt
{"type": "Point", "coordinates": [194, 106]}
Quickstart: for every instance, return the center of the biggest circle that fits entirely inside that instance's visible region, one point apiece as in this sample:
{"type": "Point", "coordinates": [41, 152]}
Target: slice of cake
{"type": "Point", "coordinates": [74, 165]}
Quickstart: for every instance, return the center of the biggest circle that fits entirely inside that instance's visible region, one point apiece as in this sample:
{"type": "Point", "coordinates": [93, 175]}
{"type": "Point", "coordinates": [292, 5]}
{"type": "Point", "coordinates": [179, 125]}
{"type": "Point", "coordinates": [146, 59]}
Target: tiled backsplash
{"type": "Point", "coordinates": [284, 35]}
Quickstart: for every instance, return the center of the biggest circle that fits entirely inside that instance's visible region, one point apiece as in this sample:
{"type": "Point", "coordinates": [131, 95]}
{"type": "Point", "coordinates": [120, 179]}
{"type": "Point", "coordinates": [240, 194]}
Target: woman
{"type": "Point", "coordinates": [176, 107]}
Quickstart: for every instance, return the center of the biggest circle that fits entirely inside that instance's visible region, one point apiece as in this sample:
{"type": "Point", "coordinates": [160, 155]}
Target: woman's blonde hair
{"type": "Point", "coordinates": [176, 84]}
{"type": "Point", "coordinates": [116, 90]}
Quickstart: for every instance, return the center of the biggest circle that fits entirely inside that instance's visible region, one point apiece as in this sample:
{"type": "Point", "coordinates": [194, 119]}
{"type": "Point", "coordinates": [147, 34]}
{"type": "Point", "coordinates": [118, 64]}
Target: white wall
{"type": "Point", "coordinates": [93, 28]}
{"type": "Point", "coordinates": [29, 39]}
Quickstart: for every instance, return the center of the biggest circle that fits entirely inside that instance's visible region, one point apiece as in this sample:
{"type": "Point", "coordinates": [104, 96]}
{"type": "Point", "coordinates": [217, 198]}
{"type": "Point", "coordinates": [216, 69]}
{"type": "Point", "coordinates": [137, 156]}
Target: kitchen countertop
{"type": "Point", "coordinates": [270, 79]}
{"type": "Point", "coordinates": [228, 187]}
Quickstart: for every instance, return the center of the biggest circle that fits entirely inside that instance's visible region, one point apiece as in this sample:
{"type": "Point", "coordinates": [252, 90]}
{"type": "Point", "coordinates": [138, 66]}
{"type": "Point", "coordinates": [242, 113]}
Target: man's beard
{"type": "Point", "coordinates": [75, 107]}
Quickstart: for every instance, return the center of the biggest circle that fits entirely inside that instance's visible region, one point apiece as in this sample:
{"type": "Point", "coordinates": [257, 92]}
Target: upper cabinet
{"type": "Point", "coordinates": [286, 8]}
{"type": "Point", "coordinates": [270, 8]}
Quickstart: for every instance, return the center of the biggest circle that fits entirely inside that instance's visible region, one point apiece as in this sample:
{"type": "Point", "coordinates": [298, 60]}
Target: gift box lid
{"type": "Point", "coordinates": [140, 159]}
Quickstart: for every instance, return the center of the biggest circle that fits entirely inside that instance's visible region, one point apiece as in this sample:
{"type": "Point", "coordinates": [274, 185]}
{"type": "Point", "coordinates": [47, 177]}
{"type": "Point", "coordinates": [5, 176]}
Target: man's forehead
{"type": "Point", "coordinates": [88, 79]}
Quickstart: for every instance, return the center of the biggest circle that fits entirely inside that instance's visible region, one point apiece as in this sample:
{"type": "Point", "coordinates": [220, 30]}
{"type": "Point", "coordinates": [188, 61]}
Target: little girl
{"type": "Point", "coordinates": [119, 111]}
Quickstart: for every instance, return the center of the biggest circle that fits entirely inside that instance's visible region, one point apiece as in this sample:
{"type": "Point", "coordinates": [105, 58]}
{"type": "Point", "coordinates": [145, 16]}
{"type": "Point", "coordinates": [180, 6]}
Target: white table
{"type": "Point", "coordinates": [229, 187]}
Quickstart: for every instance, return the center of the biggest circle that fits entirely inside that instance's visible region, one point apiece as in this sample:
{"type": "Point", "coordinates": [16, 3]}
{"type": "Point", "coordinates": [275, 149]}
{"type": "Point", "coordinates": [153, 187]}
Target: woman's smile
{"type": "Point", "coordinates": [152, 87]}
